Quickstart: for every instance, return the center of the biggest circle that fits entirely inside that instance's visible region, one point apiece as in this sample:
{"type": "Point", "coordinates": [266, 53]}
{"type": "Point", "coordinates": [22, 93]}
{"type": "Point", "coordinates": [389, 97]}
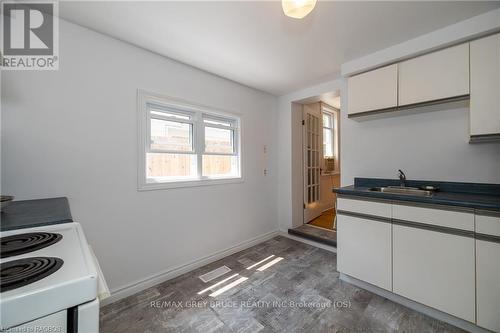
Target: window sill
{"type": "Point", "coordinates": [330, 173]}
{"type": "Point", "coordinates": [188, 183]}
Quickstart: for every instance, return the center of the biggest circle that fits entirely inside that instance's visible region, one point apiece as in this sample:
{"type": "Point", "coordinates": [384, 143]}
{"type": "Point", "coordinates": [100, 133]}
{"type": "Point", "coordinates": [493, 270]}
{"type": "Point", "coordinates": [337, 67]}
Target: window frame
{"type": "Point", "coordinates": [198, 113]}
{"type": "Point", "coordinates": [232, 127]}
{"type": "Point", "coordinates": [191, 121]}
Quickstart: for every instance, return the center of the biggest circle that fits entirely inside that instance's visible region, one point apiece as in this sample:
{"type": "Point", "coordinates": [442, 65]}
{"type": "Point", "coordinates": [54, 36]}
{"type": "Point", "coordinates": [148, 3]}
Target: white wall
{"type": "Point", "coordinates": [426, 145]}
{"type": "Point", "coordinates": [73, 133]}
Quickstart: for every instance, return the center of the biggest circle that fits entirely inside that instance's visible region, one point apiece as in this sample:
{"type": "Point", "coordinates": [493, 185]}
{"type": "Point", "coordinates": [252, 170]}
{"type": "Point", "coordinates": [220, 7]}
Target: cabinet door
{"type": "Point", "coordinates": [364, 249]}
{"type": "Point", "coordinates": [435, 269]}
{"type": "Point", "coordinates": [439, 75]}
{"type": "Point", "coordinates": [374, 90]}
{"type": "Point", "coordinates": [488, 272]}
{"type": "Point", "coordinates": [488, 285]}
{"type": "Point", "coordinates": [485, 86]}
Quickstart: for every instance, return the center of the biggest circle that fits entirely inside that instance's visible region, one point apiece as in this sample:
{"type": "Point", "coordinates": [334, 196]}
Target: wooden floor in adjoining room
{"type": "Point", "coordinates": [325, 220]}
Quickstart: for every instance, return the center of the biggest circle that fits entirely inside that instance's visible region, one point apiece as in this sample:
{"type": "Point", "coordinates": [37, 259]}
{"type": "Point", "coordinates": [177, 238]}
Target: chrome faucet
{"type": "Point", "coordinates": [402, 178]}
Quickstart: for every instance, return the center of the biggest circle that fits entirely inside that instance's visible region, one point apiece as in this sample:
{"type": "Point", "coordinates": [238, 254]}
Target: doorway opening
{"type": "Point", "coordinates": [320, 144]}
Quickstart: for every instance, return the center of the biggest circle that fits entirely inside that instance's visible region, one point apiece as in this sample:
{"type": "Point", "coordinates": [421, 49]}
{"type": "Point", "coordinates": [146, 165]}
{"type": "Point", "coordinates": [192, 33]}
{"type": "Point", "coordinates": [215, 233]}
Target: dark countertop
{"type": "Point", "coordinates": [470, 195]}
{"type": "Point", "coordinates": [35, 213]}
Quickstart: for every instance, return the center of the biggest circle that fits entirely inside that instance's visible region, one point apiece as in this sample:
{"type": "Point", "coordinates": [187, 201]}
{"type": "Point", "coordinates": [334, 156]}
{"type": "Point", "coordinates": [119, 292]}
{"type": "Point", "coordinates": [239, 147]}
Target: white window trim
{"type": "Point", "coordinates": [143, 99]}
{"type": "Point", "coordinates": [331, 129]}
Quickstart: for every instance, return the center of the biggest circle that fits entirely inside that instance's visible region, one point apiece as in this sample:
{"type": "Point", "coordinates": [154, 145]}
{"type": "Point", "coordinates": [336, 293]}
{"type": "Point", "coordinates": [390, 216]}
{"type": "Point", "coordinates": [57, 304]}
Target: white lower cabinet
{"type": "Point", "coordinates": [445, 258]}
{"type": "Point", "coordinates": [488, 272]}
{"type": "Point", "coordinates": [488, 285]}
{"type": "Point", "coordinates": [435, 269]}
{"type": "Point", "coordinates": [364, 249]}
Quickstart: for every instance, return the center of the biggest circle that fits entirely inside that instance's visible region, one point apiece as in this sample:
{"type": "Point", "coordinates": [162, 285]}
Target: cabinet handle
{"type": "Point", "coordinates": [488, 238]}
{"type": "Point", "coordinates": [365, 216]}
{"type": "Point", "coordinates": [431, 227]}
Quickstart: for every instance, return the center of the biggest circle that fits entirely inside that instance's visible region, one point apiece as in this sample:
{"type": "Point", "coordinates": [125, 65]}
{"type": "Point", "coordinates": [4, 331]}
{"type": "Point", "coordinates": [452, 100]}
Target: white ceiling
{"type": "Point", "coordinates": [253, 43]}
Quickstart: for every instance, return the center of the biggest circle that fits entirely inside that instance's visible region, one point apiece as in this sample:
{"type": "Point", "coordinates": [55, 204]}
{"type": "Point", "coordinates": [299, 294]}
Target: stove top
{"type": "Point", "coordinates": [27, 242]}
{"type": "Point", "coordinates": [44, 270]}
{"type": "Point", "coordinates": [21, 272]}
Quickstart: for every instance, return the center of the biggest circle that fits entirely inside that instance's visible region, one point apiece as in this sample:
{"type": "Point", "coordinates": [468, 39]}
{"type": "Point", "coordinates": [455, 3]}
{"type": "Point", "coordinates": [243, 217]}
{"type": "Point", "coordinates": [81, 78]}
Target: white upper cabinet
{"type": "Point", "coordinates": [435, 76]}
{"type": "Point", "coordinates": [374, 90]}
{"type": "Point", "coordinates": [485, 86]}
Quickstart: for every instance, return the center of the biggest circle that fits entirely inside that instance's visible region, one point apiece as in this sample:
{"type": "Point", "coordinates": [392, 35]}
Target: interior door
{"type": "Point", "coordinates": [312, 142]}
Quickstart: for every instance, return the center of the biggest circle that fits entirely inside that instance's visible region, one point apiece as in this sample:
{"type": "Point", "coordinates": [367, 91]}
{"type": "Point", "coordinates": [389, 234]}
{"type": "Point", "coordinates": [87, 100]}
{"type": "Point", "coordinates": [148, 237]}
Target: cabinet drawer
{"type": "Point", "coordinates": [435, 269]}
{"type": "Point", "coordinates": [364, 250]}
{"type": "Point", "coordinates": [374, 90]}
{"type": "Point", "coordinates": [488, 224]}
{"type": "Point", "coordinates": [366, 207]}
{"type": "Point", "coordinates": [438, 75]}
{"type": "Point", "coordinates": [451, 218]}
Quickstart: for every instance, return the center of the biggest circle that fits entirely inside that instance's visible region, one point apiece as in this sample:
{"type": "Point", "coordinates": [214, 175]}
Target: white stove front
{"type": "Point", "coordinates": [73, 284]}
{"type": "Point", "coordinates": [87, 321]}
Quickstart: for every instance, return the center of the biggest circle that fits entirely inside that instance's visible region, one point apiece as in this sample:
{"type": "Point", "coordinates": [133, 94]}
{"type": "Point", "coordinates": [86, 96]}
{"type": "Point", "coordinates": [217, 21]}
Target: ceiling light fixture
{"type": "Point", "coordinates": [297, 8]}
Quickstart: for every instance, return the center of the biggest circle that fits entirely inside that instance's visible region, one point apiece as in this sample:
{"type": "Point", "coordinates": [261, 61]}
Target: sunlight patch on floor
{"type": "Point", "coordinates": [269, 264]}
{"type": "Point", "coordinates": [260, 262]}
{"type": "Point", "coordinates": [229, 286]}
{"type": "Point", "coordinates": [217, 284]}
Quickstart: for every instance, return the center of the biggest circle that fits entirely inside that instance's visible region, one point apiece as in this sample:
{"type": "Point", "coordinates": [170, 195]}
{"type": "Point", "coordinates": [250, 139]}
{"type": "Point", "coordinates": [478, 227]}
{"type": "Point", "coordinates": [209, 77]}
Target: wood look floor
{"type": "Point", "coordinates": [300, 293]}
{"type": "Point", "coordinates": [325, 220]}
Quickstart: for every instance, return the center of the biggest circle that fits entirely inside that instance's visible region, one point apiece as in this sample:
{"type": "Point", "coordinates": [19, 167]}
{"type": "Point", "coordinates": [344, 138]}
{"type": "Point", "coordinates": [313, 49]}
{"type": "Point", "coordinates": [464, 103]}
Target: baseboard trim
{"type": "Point", "coordinates": [307, 241]}
{"type": "Point", "coordinates": [426, 310]}
{"type": "Point", "coordinates": [168, 274]}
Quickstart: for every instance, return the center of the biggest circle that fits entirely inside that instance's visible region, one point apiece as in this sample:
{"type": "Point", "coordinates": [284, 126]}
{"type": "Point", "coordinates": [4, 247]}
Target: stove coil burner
{"type": "Point", "coordinates": [23, 243]}
{"type": "Point", "coordinates": [18, 273]}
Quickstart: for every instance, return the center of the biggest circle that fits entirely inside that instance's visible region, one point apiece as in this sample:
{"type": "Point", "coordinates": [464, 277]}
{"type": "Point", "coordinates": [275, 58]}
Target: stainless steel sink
{"type": "Point", "coordinates": [402, 190]}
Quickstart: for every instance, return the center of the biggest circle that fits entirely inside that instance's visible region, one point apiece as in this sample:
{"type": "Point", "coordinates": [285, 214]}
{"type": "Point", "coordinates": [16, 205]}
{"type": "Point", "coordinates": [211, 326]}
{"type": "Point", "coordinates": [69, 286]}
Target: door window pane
{"type": "Point", "coordinates": [171, 135]}
{"type": "Point", "coordinates": [218, 140]}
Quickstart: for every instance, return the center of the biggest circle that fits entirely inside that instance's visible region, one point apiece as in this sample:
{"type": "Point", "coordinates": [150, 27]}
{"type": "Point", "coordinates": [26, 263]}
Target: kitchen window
{"type": "Point", "coordinates": [328, 134]}
{"type": "Point", "coordinates": [330, 161]}
{"type": "Point", "coordinates": [182, 144]}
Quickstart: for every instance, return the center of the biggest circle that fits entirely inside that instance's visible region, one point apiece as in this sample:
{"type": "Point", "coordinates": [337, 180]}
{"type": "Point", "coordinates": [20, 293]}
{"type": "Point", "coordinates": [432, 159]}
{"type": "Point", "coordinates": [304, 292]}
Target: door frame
{"type": "Point", "coordinates": [312, 151]}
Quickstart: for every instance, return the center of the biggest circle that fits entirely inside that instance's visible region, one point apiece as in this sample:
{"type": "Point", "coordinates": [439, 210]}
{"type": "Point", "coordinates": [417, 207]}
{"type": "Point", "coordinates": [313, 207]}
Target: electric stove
{"type": "Point", "coordinates": [49, 278]}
